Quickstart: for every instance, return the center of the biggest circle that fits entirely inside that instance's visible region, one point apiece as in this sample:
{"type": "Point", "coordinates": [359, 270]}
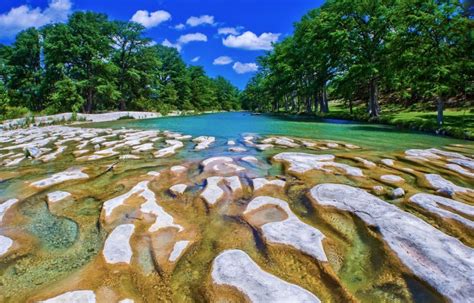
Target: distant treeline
{"type": "Point", "coordinates": [408, 51]}
{"type": "Point", "coordinates": [93, 64]}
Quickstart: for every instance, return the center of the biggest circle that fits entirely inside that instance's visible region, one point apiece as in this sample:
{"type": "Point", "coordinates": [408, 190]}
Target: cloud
{"type": "Point", "coordinates": [250, 41]}
{"type": "Point", "coordinates": [242, 68]}
{"type": "Point", "coordinates": [228, 31]}
{"type": "Point", "coordinates": [195, 59]}
{"type": "Point", "coordinates": [222, 60]}
{"type": "Point", "coordinates": [196, 21]}
{"type": "Point", "coordinates": [185, 39]}
{"type": "Point", "coordinates": [150, 19]}
{"type": "Point", "coordinates": [23, 17]}
{"type": "Point", "coordinates": [179, 26]}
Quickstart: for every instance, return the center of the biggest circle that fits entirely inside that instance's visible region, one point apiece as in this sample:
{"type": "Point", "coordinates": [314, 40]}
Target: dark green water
{"type": "Point", "coordinates": [233, 125]}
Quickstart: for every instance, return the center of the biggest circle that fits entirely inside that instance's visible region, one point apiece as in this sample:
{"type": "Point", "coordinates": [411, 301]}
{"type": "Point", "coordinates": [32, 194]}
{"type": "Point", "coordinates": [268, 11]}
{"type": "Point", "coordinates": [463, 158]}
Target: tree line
{"type": "Point", "coordinates": [406, 51]}
{"type": "Point", "coordinates": [93, 64]}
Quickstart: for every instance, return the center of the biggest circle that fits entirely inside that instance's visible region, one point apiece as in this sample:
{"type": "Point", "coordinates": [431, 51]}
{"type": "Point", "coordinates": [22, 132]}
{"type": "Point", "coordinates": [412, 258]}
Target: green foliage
{"type": "Point", "coordinates": [93, 64]}
{"type": "Point", "coordinates": [402, 51]}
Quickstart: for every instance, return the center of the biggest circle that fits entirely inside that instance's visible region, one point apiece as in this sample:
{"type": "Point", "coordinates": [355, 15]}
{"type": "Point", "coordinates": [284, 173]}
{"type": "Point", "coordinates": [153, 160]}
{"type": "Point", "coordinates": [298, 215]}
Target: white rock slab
{"type": "Point", "coordinates": [433, 203]}
{"type": "Point", "coordinates": [460, 170]}
{"type": "Point", "coordinates": [5, 206]}
{"type": "Point", "coordinates": [250, 159]}
{"type": "Point", "coordinates": [178, 250]}
{"type": "Point", "coordinates": [388, 162]}
{"type": "Point", "coordinates": [73, 173]}
{"type": "Point", "coordinates": [233, 183]}
{"type": "Point", "coordinates": [170, 150]}
{"type": "Point", "coordinates": [109, 205]}
{"type": "Point", "coordinates": [231, 142]}
{"type": "Point", "coordinates": [392, 179]}
{"type": "Point", "coordinates": [222, 165]}
{"type": "Point", "coordinates": [178, 189]}
{"type": "Point", "coordinates": [367, 163]}
{"type": "Point", "coordinates": [203, 142]}
{"type": "Point", "coordinates": [302, 162]}
{"type": "Point", "coordinates": [129, 157]}
{"type": "Point", "coordinates": [5, 244]}
{"type": "Point", "coordinates": [467, 163]}
{"type": "Point", "coordinates": [212, 192]}
{"type": "Point", "coordinates": [57, 196]}
{"type": "Point", "coordinates": [440, 183]}
{"type": "Point", "coordinates": [235, 268]}
{"type": "Point", "coordinates": [441, 260]}
{"type": "Point", "coordinates": [178, 169]}
{"type": "Point", "coordinates": [237, 149]}
{"type": "Point", "coordinates": [117, 248]}
{"type": "Point", "coordinates": [259, 183]}
{"type": "Point", "coordinates": [77, 296]}
{"type": "Point", "coordinates": [291, 231]}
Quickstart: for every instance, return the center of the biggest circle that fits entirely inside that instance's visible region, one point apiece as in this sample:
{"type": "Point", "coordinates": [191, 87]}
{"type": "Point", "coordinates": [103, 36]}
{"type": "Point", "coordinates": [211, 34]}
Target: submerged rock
{"type": "Point", "coordinates": [117, 248]}
{"type": "Point", "coordinates": [5, 206]}
{"type": "Point", "coordinates": [392, 179]}
{"type": "Point", "coordinates": [178, 250]}
{"type": "Point", "coordinates": [259, 183]}
{"type": "Point", "coordinates": [77, 296]}
{"type": "Point", "coordinates": [443, 185]}
{"type": "Point", "coordinates": [203, 142]}
{"type": "Point", "coordinates": [57, 196]}
{"type": "Point", "coordinates": [212, 193]}
{"type": "Point", "coordinates": [236, 269]}
{"type": "Point", "coordinates": [67, 175]}
{"type": "Point", "coordinates": [441, 260]}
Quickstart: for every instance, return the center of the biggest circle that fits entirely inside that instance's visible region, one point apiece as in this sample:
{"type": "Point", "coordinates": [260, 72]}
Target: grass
{"type": "Point", "coordinates": [458, 123]}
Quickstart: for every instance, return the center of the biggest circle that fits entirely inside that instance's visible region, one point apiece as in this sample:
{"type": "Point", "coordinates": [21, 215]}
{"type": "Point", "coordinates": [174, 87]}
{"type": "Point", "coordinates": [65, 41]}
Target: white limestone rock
{"type": "Point", "coordinates": [250, 159]}
{"type": "Point", "coordinates": [5, 244]}
{"type": "Point", "coordinates": [57, 196]}
{"type": "Point", "coordinates": [467, 163]}
{"type": "Point", "coordinates": [203, 142]}
{"type": "Point", "coordinates": [434, 204]}
{"type": "Point", "coordinates": [77, 296]}
{"type": "Point", "coordinates": [236, 269]}
{"type": "Point", "coordinates": [129, 157]}
{"type": "Point", "coordinates": [460, 170]}
{"type": "Point", "coordinates": [301, 163]}
{"type": "Point", "coordinates": [388, 162]}
{"type": "Point", "coordinates": [233, 183]}
{"type": "Point", "coordinates": [397, 193]}
{"type": "Point", "coordinates": [231, 142]}
{"type": "Point", "coordinates": [237, 149]}
{"type": "Point", "coordinates": [392, 179]}
{"type": "Point", "coordinates": [442, 261]}
{"type": "Point", "coordinates": [178, 169]}
{"type": "Point", "coordinates": [443, 185]}
{"type": "Point", "coordinates": [367, 163]}
{"type": "Point", "coordinates": [178, 250]}
{"type": "Point", "coordinates": [221, 165]}
{"type": "Point", "coordinates": [178, 189]}
{"type": "Point", "coordinates": [5, 206]}
{"type": "Point", "coordinates": [73, 173]}
{"type": "Point", "coordinates": [117, 248]}
{"type": "Point", "coordinates": [153, 173]}
{"type": "Point", "coordinates": [259, 183]}
{"type": "Point", "coordinates": [291, 231]}
{"type": "Point", "coordinates": [212, 193]}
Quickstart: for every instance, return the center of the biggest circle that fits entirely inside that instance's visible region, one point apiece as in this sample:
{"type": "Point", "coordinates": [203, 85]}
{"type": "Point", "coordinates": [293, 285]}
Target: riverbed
{"type": "Point", "coordinates": [235, 207]}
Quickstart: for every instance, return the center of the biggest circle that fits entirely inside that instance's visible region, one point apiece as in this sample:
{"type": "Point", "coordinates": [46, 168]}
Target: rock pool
{"type": "Point", "coordinates": [235, 207]}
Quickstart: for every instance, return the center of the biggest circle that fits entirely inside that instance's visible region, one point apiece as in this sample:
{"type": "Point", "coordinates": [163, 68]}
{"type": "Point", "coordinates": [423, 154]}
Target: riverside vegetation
{"type": "Point", "coordinates": [381, 60]}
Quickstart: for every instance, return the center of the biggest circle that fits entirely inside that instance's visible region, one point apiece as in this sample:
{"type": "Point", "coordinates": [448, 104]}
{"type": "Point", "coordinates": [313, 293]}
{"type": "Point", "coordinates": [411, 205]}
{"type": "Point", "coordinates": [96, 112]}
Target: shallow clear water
{"type": "Point", "coordinates": [58, 247]}
{"type": "Point", "coordinates": [233, 125]}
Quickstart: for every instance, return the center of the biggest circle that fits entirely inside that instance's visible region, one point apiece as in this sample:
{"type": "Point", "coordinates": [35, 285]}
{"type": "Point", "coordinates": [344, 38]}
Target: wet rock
{"type": "Point", "coordinates": [250, 159]}
{"type": "Point", "coordinates": [467, 163]}
{"type": "Point", "coordinates": [231, 142]}
{"type": "Point", "coordinates": [397, 193]}
{"type": "Point", "coordinates": [441, 184]}
{"type": "Point", "coordinates": [367, 163]}
{"type": "Point", "coordinates": [460, 170]}
{"type": "Point", "coordinates": [178, 189]}
{"type": "Point", "coordinates": [5, 244]}
{"type": "Point", "coordinates": [178, 250]}
{"type": "Point", "coordinates": [282, 141]}
{"type": "Point", "coordinates": [237, 149]}
{"type": "Point", "coordinates": [170, 150]}
{"type": "Point", "coordinates": [32, 151]}
{"type": "Point", "coordinates": [378, 190]}
{"type": "Point", "coordinates": [233, 183]}
{"type": "Point", "coordinates": [392, 179]}
{"type": "Point", "coordinates": [117, 247]}
{"type": "Point", "coordinates": [203, 142]}
{"type": "Point", "coordinates": [178, 169]}
{"type": "Point", "coordinates": [236, 269]}
{"type": "Point", "coordinates": [57, 196]}
{"type": "Point", "coordinates": [73, 173]}
{"type": "Point", "coordinates": [388, 162]}
{"type": "Point", "coordinates": [302, 163]}
{"type": "Point", "coordinates": [212, 193]}
{"type": "Point", "coordinates": [441, 260]}
{"type": "Point", "coordinates": [77, 296]}
{"type": "Point", "coordinates": [435, 204]}
{"type": "Point", "coordinates": [5, 206]}
{"type": "Point", "coordinates": [221, 165]}
{"type": "Point", "coordinates": [259, 183]}
{"type": "Point", "coordinates": [263, 147]}
{"type": "Point", "coordinates": [291, 231]}
{"type": "Point", "coordinates": [153, 173]}
{"type": "Point", "coordinates": [129, 157]}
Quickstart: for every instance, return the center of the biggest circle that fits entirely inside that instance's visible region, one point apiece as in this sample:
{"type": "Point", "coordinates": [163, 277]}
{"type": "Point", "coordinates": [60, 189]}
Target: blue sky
{"type": "Point", "coordinates": [247, 27]}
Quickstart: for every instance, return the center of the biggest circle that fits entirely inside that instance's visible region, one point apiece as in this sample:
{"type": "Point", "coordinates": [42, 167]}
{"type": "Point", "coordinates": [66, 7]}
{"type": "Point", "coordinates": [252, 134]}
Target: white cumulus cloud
{"type": "Point", "coordinates": [179, 26]}
{"type": "Point", "coordinates": [222, 60]}
{"type": "Point", "coordinates": [185, 39]}
{"type": "Point", "coordinates": [196, 21]}
{"type": "Point", "coordinates": [228, 31]}
{"type": "Point", "coordinates": [250, 41]}
{"type": "Point", "coordinates": [242, 68]}
{"type": "Point", "coordinates": [195, 59]}
{"type": "Point", "coordinates": [23, 17]}
{"type": "Point", "coordinates": [150, 19]}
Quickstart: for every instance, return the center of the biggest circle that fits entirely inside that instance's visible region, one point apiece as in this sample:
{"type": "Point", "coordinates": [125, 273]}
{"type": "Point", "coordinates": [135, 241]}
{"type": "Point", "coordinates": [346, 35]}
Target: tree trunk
{"type": "Point", "coordinates": [316, 100]}
{"type": "Point", "coordinates": [286, 104]}
{"type": "Point", "coordinates": [373, 102]}
{"type": "Point", "coordinates": [350, 106]}
{"type": "Point", "coordinates": [309, 106]}
{"type": "Point", "coordinates": [440, 107]}
{"type": "Point", "coordinates": [122, 105]}
{"type": "Point", "coordinates": [325, 100]}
